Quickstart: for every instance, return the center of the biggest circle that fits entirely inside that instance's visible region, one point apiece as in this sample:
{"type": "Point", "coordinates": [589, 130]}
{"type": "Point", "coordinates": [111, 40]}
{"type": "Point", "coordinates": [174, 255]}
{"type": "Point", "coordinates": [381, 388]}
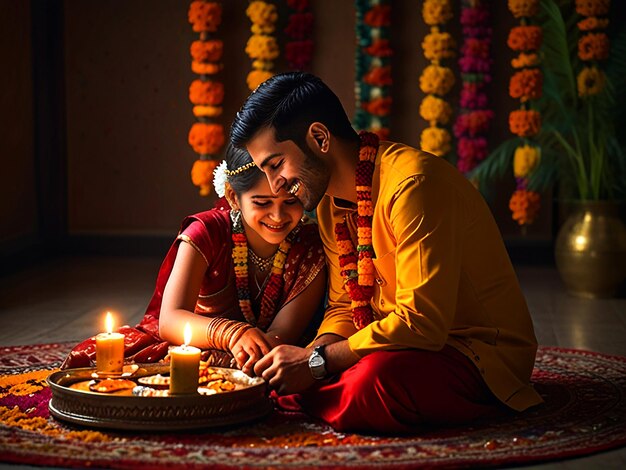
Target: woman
{"type": "Point", "coordinates": [247, 275]}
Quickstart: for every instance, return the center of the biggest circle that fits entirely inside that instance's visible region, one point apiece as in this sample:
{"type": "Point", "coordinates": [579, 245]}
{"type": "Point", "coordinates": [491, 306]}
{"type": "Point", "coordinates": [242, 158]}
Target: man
{"type": "Point", "coordinates": [426, 322]}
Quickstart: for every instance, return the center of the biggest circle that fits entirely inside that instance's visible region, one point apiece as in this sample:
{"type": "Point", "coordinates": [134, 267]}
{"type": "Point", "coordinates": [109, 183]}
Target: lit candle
{"type": "Point", "coordinates": [184, 366]}
{"type": "Point", "coordinates": [109, 350]}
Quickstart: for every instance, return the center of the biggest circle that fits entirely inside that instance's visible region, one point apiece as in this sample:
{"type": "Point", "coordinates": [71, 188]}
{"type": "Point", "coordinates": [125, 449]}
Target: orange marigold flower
{"type": "Point", "coordinates": [202, 175]}
{"type": "Point", "coordinates": [593, 46]}
{"type": "Point", "coordinates": [436, 141]}
{"type": "Point", "coordinates": [206, 139]}
{"type": "Point", "coordinates": [524, 8]}
{"type": "Point", "coordinates": [524, 123]}
{"type": "Point", "coordinates": [206, 92]}
{"type": "Point", "coordinates": [378, 15]}
{"type": "Point", "coordinates": [436, 80]}
{"type": "Point", "coordinates": [378, 76]}
{"type": "Point", "coordinates": [378, 106]}
{"type": "Point", "coordinates": [525, 38]}
{"type": "Point", "coordinates": [591, 23]}
{"type": "Point", "coordinates": [256, 77]}
{"type": "Point", "coordinates": [202, 68]}
{"type": "Point", "coordinates": [207, 51]}
{"type": "Point", "coordinates": [526, 84]}
{"type": "Point", "coordinates": [593, 7]}
{"type": "Point", "coordinates": [525, 205]}
{"type": "Point", "coordinates": [205, 16]}
{"type": "Point", "coordinates": [525, 60]}
{"type": "Point", "coordinates": [380, 48]}
{"type": "Point", "coordinates": [436, 12]}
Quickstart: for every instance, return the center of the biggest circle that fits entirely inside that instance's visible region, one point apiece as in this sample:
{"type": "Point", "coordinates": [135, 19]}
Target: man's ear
{"type": "Point", "coordinates": [320, 136]}
{"type": "Point", "coordinates": [231, 197]}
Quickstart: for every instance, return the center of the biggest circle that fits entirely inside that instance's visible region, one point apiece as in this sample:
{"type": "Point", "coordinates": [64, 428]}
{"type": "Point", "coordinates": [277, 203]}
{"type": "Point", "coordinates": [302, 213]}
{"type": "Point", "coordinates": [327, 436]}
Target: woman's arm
{"type": "Point", "coordinates": [292, 320]}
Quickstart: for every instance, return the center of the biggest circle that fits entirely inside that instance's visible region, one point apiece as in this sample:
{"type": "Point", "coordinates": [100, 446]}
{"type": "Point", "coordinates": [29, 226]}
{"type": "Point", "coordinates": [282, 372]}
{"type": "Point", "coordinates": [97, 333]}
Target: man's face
{"type": "Point", "coordinates": [302, 174]}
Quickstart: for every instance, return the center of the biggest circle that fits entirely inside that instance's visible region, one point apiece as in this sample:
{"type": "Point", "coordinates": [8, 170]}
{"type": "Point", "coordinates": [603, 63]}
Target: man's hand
{"type": "Point", "coordinates": [286, 369]}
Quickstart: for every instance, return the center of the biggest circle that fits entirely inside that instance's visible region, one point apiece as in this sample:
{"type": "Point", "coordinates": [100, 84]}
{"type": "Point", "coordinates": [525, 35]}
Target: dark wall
{"type": "Point", "coordinates": [111, 112]}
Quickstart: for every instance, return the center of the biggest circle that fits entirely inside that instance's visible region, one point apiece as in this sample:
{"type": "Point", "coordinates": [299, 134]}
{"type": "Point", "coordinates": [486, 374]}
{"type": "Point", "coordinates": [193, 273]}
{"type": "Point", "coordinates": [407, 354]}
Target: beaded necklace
{"type": "Point", "coordinates": [274, 284]}
{"type": "Point", "coordinates": [357, 268]}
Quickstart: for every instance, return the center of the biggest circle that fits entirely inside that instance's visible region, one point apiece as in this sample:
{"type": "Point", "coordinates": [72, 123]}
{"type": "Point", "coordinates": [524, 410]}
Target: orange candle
{"type": "Point", "coordinates": [184, 366]}
{"type": "Point", "coordinates": [109, 350]}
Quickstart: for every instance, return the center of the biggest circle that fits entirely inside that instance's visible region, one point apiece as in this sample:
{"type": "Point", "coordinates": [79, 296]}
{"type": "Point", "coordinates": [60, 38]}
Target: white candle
{"type": "Point", "coordinates": [109, 350]}
{"type": "Point", "coordinates": [184, 366]}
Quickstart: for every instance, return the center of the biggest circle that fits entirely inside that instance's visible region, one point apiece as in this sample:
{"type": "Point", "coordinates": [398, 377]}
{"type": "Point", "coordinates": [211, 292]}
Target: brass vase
{"type": "Point", "coordinates": [590, 250]}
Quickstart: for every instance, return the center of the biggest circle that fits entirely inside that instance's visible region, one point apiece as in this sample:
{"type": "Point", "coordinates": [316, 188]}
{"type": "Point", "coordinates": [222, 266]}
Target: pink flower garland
{"type": "Point", "coordinates": [472, 123]}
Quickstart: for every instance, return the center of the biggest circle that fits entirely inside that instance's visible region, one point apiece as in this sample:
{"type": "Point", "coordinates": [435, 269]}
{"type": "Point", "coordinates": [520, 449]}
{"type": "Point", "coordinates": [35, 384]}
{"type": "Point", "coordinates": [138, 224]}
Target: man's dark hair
{"type": "Point", "coordinates": [289, 103]}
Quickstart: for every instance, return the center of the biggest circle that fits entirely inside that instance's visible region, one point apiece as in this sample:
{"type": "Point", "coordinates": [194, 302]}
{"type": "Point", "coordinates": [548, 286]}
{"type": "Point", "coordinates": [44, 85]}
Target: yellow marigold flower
{"type": "Point", "coordinates": [591, 81]}
{"type": "Point", "coordinates": [593, 7]}
{"type": "Point", "coordinates": [524, 8]}
{"type": "Point", "coordinates": [263, 16]}
{"type": "Point", "coordinates": [435, 110]}
{"type": "Point", "coordinates": [525, 160]}
{"type": "Point", "coordinates": [256, 77]}
{"type": "Point", "coordinates": [436, 12]}
{"type": "Point", "coordinates": [262, 47]}
{"type": "Point", "coordinates": [207, 111]}
{"type": "Point", "coordinates": [435, 140]}
{"type": "Point", "coordinates": [436, 80]}
{"type": "Point", "coordinates": [525, 60]}
{"type": "Point", "coordinates": [438, 46]}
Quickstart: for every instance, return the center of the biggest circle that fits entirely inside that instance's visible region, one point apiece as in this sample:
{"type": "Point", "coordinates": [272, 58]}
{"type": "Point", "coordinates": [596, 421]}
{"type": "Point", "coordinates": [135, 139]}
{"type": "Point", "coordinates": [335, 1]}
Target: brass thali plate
{"type": "Point", "coordinates": [73, 402]}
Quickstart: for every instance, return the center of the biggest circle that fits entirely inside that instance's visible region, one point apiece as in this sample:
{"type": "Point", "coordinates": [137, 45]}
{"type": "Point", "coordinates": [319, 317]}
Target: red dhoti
{"type": "Point", "coordinates": [400, 392]}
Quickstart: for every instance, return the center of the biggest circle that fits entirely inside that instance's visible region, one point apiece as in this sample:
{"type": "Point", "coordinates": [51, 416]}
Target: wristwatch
{"type": "Point", "coordinates": [317, 363]}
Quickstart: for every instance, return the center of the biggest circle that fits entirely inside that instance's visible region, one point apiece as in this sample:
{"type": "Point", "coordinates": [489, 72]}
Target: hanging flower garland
{"type": "Point", "coordinates": [436, 80]}
{"type": "Point", "coordinates": [357, 267]}
{"type": "Point", "coordinates": [262, 47]}
{"type": "Point", "coordinates": [593, 45]}
{"type": "Point", "coordinates": [206, 93]}
{"type": "Point", "coordinates": [473, 122]}
{"type": "Point", "coordinates": [525, 85]}
{"type": "Point", "coordinates": [373, 67]}
{"type": "Point", "coordinates": [299, 32]}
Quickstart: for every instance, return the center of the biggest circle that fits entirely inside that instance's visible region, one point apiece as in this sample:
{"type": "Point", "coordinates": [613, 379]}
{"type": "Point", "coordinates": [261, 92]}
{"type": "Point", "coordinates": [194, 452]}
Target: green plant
{"type": "Point", "coordinates": [580, 148]}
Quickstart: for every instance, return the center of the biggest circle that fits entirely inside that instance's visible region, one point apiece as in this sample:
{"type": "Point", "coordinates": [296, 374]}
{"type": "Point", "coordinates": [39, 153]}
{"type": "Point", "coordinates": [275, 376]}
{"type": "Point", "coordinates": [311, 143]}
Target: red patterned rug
{"type": "Point", "coordinates": [585, 412]}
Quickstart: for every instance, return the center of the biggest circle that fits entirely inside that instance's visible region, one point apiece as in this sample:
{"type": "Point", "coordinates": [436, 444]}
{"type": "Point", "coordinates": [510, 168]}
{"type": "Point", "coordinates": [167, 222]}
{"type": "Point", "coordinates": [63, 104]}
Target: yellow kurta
{"type": "Point", "coordinates": [443, 274]}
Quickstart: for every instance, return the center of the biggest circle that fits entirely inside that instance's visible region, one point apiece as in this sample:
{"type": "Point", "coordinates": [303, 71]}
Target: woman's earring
{"type": "Point", "coordinates": [235, 217]}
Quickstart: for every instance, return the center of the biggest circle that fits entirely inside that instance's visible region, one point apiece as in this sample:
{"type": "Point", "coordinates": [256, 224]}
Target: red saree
{"type": "Point", "coordinates": [210, 233]}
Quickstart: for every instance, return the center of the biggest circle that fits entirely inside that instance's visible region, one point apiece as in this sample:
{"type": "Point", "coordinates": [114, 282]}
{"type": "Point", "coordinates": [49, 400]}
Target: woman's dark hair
{"type": "Point", "coordinates": [289, 103]}
{"type": "Point", "coordinates": [245, 180]}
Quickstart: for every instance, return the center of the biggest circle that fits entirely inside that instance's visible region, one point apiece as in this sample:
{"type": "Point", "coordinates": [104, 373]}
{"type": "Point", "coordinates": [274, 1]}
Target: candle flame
{"type": "Point", "coordinates": [108, 322]}
{"type": "Point", "coordinates": [187, 333]}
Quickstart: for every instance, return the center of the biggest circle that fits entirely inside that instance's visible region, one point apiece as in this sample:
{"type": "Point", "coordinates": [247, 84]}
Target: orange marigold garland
{"type": "Point", "coordinates": [273, 289]}
{"type": "Point", "coordinates": [373, 67]}
{"type": "Point", "coordinates": [436, 80]}
{"type": "Point", "coordinates": [526, 84]}
{"type": "Point", "coordinates": [593, 45]}
{"type": "Point", "coordinates": [262, 46]}
{"type": "Point", "coordinates": [299, 31]}
{"type": "Point", "coordinates": [357, 267]}
{"type": "Point", "coordinates": [206, 93]}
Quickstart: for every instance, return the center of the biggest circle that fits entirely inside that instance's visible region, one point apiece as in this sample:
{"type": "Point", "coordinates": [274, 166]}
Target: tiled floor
{"type": "Point", "coordinates": [64, 299]}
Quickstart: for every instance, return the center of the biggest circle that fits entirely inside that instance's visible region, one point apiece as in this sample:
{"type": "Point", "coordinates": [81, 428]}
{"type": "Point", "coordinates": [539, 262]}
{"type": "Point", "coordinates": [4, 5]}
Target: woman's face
{"type": "Point", "coordinates": [266, 216]}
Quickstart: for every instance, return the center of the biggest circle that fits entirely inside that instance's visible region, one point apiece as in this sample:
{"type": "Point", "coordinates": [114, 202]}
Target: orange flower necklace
{"type": "Point", "coordinates": [357, 268]}
{"type": "Point", "coordinates": [274, 285]}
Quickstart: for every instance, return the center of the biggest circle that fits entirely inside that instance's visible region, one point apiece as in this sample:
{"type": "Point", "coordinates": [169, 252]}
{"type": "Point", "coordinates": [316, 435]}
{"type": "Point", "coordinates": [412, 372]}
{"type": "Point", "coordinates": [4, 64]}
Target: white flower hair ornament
{"type": "Point", "coordinates": [220, 178]}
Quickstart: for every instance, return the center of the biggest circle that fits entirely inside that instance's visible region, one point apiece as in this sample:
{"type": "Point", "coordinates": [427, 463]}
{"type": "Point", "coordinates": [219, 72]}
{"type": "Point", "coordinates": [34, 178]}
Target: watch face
{"type": "Point", "coordinates": [316, 361]}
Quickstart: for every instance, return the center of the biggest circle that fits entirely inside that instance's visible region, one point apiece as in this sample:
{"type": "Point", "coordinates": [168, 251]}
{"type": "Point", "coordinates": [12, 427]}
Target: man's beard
{"type": "Point", "coordinates": [314, 178]}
